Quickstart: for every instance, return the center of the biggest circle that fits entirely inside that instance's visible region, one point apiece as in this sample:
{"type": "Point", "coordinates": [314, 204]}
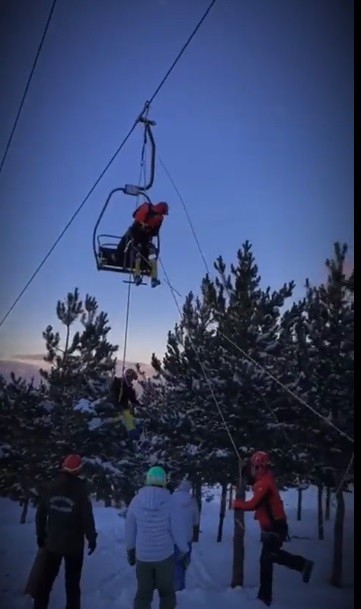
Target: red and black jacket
{"type": "Point", "coordinates": [266, 503]}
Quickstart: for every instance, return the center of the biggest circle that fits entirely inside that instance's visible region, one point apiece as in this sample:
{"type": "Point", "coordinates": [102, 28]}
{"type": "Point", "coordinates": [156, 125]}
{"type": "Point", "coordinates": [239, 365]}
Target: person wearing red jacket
{"type": "Point", "coordinates": [269, 511]}
{"type": "Point", "coordinates": [148, 219]}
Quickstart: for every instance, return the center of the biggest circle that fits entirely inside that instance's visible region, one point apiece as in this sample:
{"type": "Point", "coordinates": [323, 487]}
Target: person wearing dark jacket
{"type": "Point", "coordinates": [138, 240]}
{"type": "Point", "coordinates": [270, 513]}
{"type": "Point", "coordinates": [125, 398]}
{"type": "Point", "coordinates": [64, 516]}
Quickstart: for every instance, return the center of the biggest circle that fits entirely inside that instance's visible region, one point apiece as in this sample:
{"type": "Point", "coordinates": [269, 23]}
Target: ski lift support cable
{"type": "Point", "coordinates": [27, 86]}
{"type": "Point", "coordinates": [110, 162]}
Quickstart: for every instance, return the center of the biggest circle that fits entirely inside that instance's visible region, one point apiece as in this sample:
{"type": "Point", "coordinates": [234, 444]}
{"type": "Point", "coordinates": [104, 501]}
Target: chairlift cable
{"type": "Point", "coordinates": [93, 187]}
{"type": "Point", "coordinates": [27, 86]}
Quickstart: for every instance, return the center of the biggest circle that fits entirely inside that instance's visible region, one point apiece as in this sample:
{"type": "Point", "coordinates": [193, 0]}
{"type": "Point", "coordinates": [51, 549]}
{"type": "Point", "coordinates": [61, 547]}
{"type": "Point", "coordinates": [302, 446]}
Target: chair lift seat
{"type": "Point", "coordinates": [109, 260]}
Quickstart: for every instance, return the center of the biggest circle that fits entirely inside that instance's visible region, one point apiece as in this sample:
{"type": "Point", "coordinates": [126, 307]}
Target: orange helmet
{"type": "Point", "coordinates": [161, 208]}
{"type": "Point", "coordinates": [260, 459]}
{"type": "Point", "coordinates": [72, 464]}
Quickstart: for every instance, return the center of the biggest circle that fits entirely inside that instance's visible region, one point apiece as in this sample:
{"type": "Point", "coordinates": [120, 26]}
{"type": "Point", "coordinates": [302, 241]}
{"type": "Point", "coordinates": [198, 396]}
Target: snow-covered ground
{"type": "Point", "coordinates": [109, 583]}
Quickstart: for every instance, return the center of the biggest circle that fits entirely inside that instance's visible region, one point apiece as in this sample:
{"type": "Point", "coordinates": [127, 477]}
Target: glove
{"type": "Point", "coordinates": [91, 546]}
{"type": "Point", "coordinates": [41, 542]}
{"type": "Point", "coordinates": [131, 557]}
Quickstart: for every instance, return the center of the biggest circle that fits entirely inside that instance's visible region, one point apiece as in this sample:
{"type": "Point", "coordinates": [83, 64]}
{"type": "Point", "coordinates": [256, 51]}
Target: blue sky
{"type": "Point", "coordinates": [255, 126]}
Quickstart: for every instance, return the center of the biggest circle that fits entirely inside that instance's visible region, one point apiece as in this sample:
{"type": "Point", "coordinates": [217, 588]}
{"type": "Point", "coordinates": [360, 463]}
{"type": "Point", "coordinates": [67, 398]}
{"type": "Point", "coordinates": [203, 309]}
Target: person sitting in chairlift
{"type": "Point", "coordinates": [137, 242]}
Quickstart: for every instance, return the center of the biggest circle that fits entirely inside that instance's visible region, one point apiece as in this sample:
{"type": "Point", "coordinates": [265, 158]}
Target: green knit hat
{"type": "Point", "coordinates": [156, 476]}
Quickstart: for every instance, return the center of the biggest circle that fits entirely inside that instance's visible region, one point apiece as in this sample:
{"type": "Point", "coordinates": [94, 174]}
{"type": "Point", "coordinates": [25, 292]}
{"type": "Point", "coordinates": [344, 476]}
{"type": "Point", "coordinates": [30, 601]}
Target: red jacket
{"type": "Point", "coordinates": [147, 216]}
{"type": "Point", "coordinates": [266, 502]}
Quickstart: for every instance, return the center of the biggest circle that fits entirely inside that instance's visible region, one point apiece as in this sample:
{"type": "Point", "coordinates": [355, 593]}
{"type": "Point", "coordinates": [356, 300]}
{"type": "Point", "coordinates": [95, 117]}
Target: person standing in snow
{"type": "Point", "coordinates": [186, 510]}
{"type": "Point", "coordinates": [152, 530]}
{"type": "Point", "coordinates": [64, 516]}
{"type": "Point", "coordinates": [270, 513]}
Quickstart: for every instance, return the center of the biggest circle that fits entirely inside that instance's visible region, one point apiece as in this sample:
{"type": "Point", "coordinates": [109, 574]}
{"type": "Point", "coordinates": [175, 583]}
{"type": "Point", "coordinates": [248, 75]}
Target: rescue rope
{"type": "Point", "coordinates": [244, 353]}
{"type": "Point", "coordinates": [142, 174]}
{"type": "Point", "coordinates": [225, 424]}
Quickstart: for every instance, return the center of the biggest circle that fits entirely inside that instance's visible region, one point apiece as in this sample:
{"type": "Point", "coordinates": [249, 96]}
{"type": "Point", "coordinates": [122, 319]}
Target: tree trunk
{"type": "Point", "coordinates": [230, 498]}
{"type": "Point", "coordinates": [24, 511]}
{"type": "Point", "coordinates": [337, 562]}
{"type": "Point", "coordinates": [222, 512]}
{"type": "Point", "coordinates": [320, 512]}
{"type": "Point", "coordinates": [328, 504]}
{"type": "Point", "coordinates": [198, 498]}
{"type": "Point", "coordinates": [299, 504]}
{"type": "Point", "coordinates": [238, 541]}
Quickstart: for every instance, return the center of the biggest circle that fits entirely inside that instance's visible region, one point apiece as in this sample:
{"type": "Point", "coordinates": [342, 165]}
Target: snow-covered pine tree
{"type": "Point", "coordinates": [249, 317]}
{"type": "Point", "coordinates": [25, 444]}
{"type": "Point", "coordinates": [325, 351]}
{"type": "Point", "coordinates": [328, 353]}
{"type": "Point", "coordinates": [78, 388]}
{"type": "Point", "coordinates": [288, 407]}
{"type": "Point", "coordinates": [247, 321]}
{"type": "Point", "coordinates": [172, 399]}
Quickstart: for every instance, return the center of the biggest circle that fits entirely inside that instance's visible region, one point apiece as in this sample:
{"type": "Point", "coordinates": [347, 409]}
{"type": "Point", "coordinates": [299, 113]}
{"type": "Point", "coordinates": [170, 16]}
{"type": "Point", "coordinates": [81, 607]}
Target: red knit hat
{"type": "Point", "coordinates": [72, 464]}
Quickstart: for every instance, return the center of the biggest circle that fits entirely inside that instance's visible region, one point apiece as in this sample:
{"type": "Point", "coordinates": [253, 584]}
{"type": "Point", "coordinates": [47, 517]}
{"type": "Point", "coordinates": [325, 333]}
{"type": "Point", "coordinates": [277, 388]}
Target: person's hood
{"type": "Point", "coordinates": [181, 495]}
{"type": "Point", "coordinates": [153, 497]}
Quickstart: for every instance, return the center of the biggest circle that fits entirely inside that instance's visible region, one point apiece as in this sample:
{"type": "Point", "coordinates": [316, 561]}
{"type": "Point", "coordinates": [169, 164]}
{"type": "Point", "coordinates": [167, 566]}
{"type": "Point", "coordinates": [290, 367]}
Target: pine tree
{"type": "Point", "coordinates": [325, 347]}
{"type": "Point", "coordinates": [201, 360]}
{"type": "Point", "coordinates": [78, 388]}
{"type": "Point", "coordinates": [248, 323]}
{"type": "Point", "coordinates": [174, 402]}
{"type": "Point", "coordinates": [329, 352]}
{"type": "Point", "coordinates": [25, 428]}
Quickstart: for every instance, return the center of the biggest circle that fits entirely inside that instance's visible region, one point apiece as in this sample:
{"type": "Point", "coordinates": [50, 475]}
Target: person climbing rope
{"type": "Point", "coordinates": [137, 245]}
{"type": "Point", "coordinates": [125, 398]}
{"type": "Point", "coordinates": [270, 513]}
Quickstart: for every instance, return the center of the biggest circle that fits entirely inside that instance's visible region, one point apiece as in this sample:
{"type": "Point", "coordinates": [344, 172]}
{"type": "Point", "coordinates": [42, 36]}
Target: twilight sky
{"type": "Point", "coordinates": [255, 126]}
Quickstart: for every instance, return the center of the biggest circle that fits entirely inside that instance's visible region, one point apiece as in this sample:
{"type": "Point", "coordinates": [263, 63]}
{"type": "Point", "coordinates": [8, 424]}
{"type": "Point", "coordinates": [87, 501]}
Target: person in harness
{"type": "Point", "coordinates": [125, 399]}
{"type": "Point", "coordinates": [137, 243]}
{"type": "Point", "coordinates": [270, 513]}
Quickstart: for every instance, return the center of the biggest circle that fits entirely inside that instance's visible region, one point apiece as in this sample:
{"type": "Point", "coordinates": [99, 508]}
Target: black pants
{"type": "Point", "coordinates": [140, 244]}
{"type": "Point", "coordinates": [272, 553]}
{"type": "Point", "coordinates": [73, 569]}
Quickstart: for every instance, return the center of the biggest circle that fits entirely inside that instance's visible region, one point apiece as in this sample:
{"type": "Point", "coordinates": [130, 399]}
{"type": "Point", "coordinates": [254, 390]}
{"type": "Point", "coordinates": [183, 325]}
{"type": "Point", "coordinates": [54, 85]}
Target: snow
{"type": "Point", "coordinates": [84, 406]}
{"type": "Point", "coordinates": [109, 583]}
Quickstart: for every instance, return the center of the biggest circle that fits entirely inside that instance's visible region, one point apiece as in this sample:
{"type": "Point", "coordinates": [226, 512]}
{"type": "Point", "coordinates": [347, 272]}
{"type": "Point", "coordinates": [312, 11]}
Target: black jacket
{"type": "Point", "coordinates": [123, 393]}
{"type": "Point", "coordinates": [65, 515]}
